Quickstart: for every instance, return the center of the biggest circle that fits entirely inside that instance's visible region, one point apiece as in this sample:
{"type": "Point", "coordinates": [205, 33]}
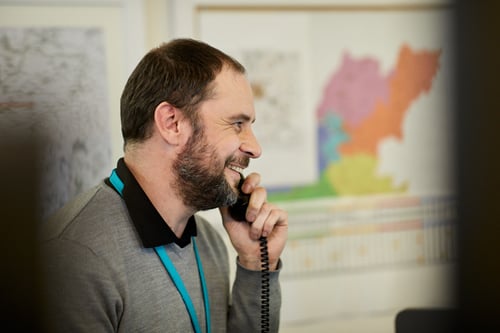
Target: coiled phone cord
{"type": "Point", "coordinates": [238, 212]}
{"type": "Point", "coordinates": [264, 310]}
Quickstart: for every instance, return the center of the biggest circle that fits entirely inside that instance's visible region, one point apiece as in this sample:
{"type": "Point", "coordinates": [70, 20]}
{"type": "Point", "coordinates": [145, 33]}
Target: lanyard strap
{"type": "Point", "coordinates": [174, 275]}
{"type": "Point", "coordinates": [176, 278]}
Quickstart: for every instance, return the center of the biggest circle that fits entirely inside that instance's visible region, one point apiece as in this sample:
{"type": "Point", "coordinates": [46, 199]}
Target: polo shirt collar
{"type": "Point", "coordinates": [152, 229]}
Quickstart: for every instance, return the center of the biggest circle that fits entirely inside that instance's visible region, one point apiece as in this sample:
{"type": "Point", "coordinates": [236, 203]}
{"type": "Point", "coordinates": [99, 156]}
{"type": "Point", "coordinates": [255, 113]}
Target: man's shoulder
{"type": "Point", "coordinates": [87, 213]}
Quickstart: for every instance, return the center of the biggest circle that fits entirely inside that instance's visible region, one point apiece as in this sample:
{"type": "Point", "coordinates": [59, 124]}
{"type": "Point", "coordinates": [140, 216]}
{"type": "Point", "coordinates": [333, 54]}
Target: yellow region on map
{"type": "Point", "coordinates": [354, 175]}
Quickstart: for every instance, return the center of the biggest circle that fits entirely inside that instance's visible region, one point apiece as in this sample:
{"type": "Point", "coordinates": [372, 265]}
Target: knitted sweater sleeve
{"type": "Point", "coordinates": [245, 311]}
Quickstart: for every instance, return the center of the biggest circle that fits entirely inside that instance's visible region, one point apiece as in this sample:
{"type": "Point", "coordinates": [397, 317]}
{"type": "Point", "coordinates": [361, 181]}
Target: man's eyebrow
{"type": "Point", "coordinates": [242, 116]}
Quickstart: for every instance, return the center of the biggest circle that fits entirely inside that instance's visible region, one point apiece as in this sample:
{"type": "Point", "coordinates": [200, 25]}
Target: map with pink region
{"type": "Point", "coordinates": [354, 89]}
{"type": "Point", "coordinates": [360, 107]}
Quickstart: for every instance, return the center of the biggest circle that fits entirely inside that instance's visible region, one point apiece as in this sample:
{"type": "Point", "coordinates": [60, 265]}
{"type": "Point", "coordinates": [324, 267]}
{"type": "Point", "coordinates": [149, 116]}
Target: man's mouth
{"type": "Point", "coordinates": [236, 168]}
{"type": "Point", "coordinates": [238, 164]}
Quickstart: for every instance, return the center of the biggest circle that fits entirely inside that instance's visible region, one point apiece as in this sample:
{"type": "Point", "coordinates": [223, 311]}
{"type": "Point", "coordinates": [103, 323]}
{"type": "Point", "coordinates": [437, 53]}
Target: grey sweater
{"type": "Point", "coordinates": [100, 278]}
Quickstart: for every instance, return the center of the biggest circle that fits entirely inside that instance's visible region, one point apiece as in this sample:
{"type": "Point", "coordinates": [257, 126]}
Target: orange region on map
{"type": "Point", "coordinates": [412, 76]}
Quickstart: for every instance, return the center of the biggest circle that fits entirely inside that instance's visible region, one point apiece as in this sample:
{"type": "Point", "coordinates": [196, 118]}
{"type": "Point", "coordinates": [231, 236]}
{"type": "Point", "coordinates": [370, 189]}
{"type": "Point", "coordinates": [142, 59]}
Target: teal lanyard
{"type": "Point", "coordinates": [174, 275]}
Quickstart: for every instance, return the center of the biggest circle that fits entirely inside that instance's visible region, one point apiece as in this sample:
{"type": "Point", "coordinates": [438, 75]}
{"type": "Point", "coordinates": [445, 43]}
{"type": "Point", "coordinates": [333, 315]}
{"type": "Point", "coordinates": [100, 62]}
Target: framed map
{"type": "Point", "coordinates": [349, 109]}
{"type": "Point", "coordinates": [62, 67]}
{"type": "Point", "coordinates": [53, 90]}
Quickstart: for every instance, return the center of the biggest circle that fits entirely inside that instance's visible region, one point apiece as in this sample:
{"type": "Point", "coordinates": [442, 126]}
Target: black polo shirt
{"type": "Point", "coordinates": [152, 229]}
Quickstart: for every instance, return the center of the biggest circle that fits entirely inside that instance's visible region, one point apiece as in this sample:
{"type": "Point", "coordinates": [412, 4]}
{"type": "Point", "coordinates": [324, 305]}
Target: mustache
{"type": "Point", "coordinates": [243, 161]}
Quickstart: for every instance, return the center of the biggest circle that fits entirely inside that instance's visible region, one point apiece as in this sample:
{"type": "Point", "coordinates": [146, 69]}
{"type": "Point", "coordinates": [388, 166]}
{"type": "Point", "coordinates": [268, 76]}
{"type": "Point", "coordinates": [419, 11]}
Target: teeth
{"type": "Point", "coordinates": [235, 168]}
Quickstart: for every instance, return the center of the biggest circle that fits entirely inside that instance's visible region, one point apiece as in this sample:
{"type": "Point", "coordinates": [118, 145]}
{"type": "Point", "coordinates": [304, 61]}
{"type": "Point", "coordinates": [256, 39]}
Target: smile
{"type": "Point", "coordinates": [236, 168]}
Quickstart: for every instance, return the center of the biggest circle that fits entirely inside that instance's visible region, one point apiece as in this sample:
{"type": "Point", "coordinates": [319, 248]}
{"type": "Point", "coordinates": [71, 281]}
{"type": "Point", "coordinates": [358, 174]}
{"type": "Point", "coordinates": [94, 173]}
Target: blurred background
{"type": "Point", "coordinates": [377, 121]}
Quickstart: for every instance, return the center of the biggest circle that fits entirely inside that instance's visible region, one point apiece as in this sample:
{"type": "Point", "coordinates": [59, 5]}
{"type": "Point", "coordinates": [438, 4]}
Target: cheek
{"type": "Point", "coordinates": [226, 145]}
{"type": "Point", "coordinates": [228, 148]}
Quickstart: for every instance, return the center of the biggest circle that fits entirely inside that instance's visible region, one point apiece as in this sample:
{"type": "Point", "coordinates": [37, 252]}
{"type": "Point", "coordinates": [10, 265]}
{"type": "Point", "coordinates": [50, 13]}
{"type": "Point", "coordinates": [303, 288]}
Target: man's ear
{"type": "Point", "coordinates": [169, 123]}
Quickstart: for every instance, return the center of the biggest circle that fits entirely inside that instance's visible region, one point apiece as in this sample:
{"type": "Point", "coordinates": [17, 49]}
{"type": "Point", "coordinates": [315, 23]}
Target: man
{"type": "Point", "coordinates": [130, 255]}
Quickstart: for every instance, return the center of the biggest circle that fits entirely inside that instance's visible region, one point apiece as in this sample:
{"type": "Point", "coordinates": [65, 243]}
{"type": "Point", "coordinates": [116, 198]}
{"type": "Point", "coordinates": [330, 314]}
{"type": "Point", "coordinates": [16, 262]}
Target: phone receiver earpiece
{"type": "Point", "coordinates": [239, 209]}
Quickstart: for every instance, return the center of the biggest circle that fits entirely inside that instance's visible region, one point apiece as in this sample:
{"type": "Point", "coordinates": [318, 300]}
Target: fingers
{"type": "Point", "coordinates": [262, 215]}
{"type": "Point", "coordinates": [256, 203]}
{"type": "Point", "coordinates": [266, 219]}
{"type": "Point", "coordinates": [251, 182]}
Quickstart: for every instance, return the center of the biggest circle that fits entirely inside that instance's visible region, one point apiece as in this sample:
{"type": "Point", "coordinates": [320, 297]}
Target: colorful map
{"type": "Point", "coordinates": [360, 107]}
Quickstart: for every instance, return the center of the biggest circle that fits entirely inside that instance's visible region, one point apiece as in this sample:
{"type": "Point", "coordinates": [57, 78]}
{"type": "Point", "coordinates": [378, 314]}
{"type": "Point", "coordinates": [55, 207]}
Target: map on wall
{"type": "Point", "coordinates": [275, 78]}
{"type": "Point", "coordinates": [343, 109]}
{"type": "Point", "coordinates": [360, 111]}
{"type": "Point", "coordinates": [53, 89]}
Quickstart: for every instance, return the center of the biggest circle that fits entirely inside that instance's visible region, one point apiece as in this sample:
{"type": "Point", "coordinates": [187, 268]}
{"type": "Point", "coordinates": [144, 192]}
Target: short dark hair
{"type": "Point", "coordinates": [179, 72]}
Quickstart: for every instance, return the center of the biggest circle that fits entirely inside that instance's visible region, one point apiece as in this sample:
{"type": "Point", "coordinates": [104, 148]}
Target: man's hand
{"type": "Point", "coordinates": [264, 220]}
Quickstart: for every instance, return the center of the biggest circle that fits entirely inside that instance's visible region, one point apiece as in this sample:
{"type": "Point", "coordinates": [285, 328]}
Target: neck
{"type": "Point", "coordinates": [154, 177]}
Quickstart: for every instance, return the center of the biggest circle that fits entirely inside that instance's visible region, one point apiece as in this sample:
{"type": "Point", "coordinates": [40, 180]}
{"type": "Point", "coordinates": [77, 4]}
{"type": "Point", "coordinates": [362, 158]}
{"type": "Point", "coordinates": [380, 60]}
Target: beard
{"type": "Point", "coordinates": [200, 178]}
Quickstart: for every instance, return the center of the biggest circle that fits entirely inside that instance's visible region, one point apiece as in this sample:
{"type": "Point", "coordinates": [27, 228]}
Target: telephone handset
{"type": "Point", "coordinates": [238, 212]}
{"type": "Point", "coordinates": [239, 209]}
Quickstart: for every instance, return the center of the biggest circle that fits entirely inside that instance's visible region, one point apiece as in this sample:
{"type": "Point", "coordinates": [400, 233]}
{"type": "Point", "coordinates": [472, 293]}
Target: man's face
{"type": "Point", "coordinates": [208, 169]}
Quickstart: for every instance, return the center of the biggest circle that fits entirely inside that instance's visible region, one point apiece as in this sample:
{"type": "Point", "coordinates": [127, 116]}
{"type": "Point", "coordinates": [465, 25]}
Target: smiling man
{"type": "Point", "coordinates": [131, 255]}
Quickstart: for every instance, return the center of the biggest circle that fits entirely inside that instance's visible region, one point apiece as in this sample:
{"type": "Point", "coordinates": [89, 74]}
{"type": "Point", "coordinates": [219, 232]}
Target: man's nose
{"type": "Point", "coordinates": [250, 145]}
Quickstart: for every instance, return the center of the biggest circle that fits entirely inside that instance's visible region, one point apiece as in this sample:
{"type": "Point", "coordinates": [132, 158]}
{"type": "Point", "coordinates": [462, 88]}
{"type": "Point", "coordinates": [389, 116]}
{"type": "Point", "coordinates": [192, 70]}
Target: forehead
{"type": "Point", "coordinates": [231, 93]}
